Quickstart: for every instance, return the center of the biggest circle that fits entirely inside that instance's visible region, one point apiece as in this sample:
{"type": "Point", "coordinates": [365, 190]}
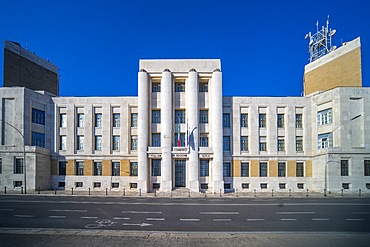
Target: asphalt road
{"type": "Point", "coordinates": [186, 214]}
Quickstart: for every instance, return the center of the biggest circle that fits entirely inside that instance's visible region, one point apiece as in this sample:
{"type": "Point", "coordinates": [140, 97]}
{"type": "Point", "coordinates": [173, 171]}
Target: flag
{"type": "Point", "coordinates": [178, 135]}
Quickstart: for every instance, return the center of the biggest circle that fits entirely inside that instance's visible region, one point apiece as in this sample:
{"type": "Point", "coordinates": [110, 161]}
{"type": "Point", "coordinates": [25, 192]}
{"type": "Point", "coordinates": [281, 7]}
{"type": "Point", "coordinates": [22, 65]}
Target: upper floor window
{"type": "Point", "coordinates": [366, 167]}
{"type": "Point", "coordinates": [116, 169]}
{"type": "Point", "coordinates": [324, 117]}
{"type": "Point", "coordinates": [262, 120]}
{"type": "Point", "coordinates": [263, 143]}
{"type": "Point", "coordinates": [116, 120]}
{"type": "Point", "coordinates": [156, 87]}
{"type": "Point", "coordinates": [280, 120]}
{"type": "Point", "coordinates": [38, 116]}
{"type": "Point", "coordinates": [281, 143]}
{"type": "Point", "coordinates": [179, 140]}
{"type": "Point", "coordinates": [18, 166]}
{"type": "Point", "coordinates": [38, 139]}
{"type": "Point", "coordinates": [204, 168]}
{"type": "Point", "coordinates": [98, 169]}
{"type": "Point", "coordinates": [98, 120]}
{"type": "Point", "coordinates": [299, 143]}
{"type": "Point", "coordinates": [133, 142]}
{"type": "Point", "coordinates": [62, 168]}
{"type": "Point", "coordinates": [180, 116]}
{"type": "Point", "coordinates": [226, 120]}
{"type": "Point", "coordinates": [63, 143]}
{"type": "Point", "coordinates": [116, 142]}
{"type": "Point", "coordinates": [133, 168]}
{"type": "Point", "coordinates": [244, 143]}
{"type": "Point", "coordinates": [226, 143]}
{"type": "Point", "coordinates": [263, 169]}
{"type": "Point", "coordinates": [227, 169]}
{"type": "Point", "coordinates": [133, 119]}
{"type": "Point", "coordinates": [281, 169]}
{"type": "Point", "coordinates": [300, 169]}
{"type": "Point", "coordinates": [204, 116]}
{"type": "Point", "coordinates": [325, 140]}
{"type": "Point", "coordinates": [63, 120]}
{"type": "Point", "coordinates": [344, 167]}
{"type": "Point", "coordinates": [156, 167]}
{"type": "Point", "coordinates": [179, 87]}
{"type": "Point", "coordinates": [203, 87]}
{"type": "Point", "coordinates": [203, 141]}
{"type": "Point", "coordinates": [80, 120]}
{"type": "Point", "coordinates": [98, 142]}
{"type": "Point", "coordinates": [244, 169]}
{"type": "Point", "coordinates": [244, 120]}
{"type": "Point", "coordinates": [298, 121]}
{"type": "Point", "coordinates": [80, 168]}
{"type": "Point", "coordinates": [156, 139]}
{"type": "Point", "coordinates": [80, 142]}
{"type": "Point", "coordinates": [156, 116]}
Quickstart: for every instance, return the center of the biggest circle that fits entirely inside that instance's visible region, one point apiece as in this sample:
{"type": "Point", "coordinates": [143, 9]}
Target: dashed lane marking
{"type": "Point", "coordinates": [23, 216]}
{"type": "Point", "coordinates": [354, 219]}
{"type": "Point", "coordinates": [57, 216]}
{"type": "Point", "coordinates": [6, 209]}
{"type": "Point", "coordinates": [255, 219]}
{"type": "Point", "coordinates": [154, 219]}
{"type": "Point", "coordinates": [190, 220]}
{"type": "Point", "coordinates": [221, 220]}
{"type": "Point", "coordinates": [218, 213]}
{"type": "Point", "coordinates": [295, 212]}
{"type": "Point", "coordinates": [68, 210]}
{"type": "Point", "coordinates": [140, 212]}
{"type": "Point", "coordinates": [88, 217]}
{"type": "Point", "coordinates": [320, 219]}
{"type": "Point", "coordinates": [288, 219]}
{"type": "Point", "coordinates": [360, 212]}
{"type": "Point", "coordinates": [120, 218]}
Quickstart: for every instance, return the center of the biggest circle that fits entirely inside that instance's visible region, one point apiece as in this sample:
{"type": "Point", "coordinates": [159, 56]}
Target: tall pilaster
{"type": "Point", "coordinates": [166, 130]}
{"type": "Point", "coordinates": [192, 112]}
{"type": "Point", "coordinates": [217, 131]}
{"type": "Point", "coordinates": [143, 126]}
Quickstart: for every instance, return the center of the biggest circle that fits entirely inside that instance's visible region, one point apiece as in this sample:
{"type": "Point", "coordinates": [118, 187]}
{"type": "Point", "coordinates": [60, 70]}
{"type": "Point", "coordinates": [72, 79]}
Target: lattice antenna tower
{"type": "Point", "coordinates": [320, 42]}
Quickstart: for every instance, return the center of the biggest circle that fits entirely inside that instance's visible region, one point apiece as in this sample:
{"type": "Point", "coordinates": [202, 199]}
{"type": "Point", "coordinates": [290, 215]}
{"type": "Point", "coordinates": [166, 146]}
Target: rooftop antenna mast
{"type": "Point", "coordinates": [320, 42]}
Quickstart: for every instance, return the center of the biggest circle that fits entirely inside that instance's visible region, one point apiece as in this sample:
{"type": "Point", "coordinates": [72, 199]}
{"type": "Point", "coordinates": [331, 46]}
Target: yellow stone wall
{"type": "Point", "coordinates": [273, 168]}
{"type": "Point", "coordinates": [88, 167]}
{"type": "Point", "coordinates": [70, 169]}
{"type": "Point", "coordinates": [236, 168]}
{"type": "Point", "coordinates": [308, 168]}
{"type": "Point", "coordinates": [345, 70]}
{"type": "Point", "coordinates": [254, 168]}
{"type": "Point", "coordinates": [125, 168]}
{"type": "Point", "coordinates": [54, 167]}
{"type": "Point", "coordinates": [107, 168]}
{"type": "Point", "coordinates": [291, 168]}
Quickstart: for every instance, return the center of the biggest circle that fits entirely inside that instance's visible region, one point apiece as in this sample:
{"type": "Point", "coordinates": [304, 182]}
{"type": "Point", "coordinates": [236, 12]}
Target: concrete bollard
{"type": "Point", "coordinates": [72, 191]}
{"type": "Point", "coordinates": [106, 191]}
{"type": "Point", "coordinates": [89, 191]}
{"type": "Point", "coordinates": [124, 191]}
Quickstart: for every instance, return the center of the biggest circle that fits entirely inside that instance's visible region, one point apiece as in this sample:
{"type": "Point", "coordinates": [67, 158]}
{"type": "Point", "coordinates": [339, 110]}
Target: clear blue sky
{"type": "Point", "coordinates": [97, 44]}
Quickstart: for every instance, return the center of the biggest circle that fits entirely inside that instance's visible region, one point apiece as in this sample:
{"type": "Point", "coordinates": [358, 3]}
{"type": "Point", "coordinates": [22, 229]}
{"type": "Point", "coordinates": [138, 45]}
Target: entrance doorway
{"type": "Point", "coordinates": [180, 173]}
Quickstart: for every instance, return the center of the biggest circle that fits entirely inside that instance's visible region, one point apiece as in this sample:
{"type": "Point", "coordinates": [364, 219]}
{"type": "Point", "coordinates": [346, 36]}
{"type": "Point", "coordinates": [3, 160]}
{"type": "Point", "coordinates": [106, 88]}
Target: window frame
{"type": "Point", "coordinates": [134, 169]}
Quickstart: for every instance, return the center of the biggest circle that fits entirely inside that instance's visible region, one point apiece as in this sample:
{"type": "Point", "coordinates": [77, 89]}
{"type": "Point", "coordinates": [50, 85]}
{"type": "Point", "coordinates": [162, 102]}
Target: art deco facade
{"type": "Point", "coordinates": [182, 132]}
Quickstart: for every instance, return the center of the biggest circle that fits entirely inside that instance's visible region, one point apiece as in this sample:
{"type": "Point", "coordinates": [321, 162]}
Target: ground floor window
{"type": "Point", "coordinates": [156, 167]}
{"type": "Point", "coordinates": [263, 185]}
{"type": "Point", "coordinates": [245, 186]}
{"type": "Point", "coordinates": [227, 169]}
{"type": "Point", "coordinates": [345, 186]}
{"type": "Point", "coordinates": [204, 168]}
{"type": "Point", "coordinates": [97, 185]}
{"type": "Point", "coordinates": [133, 168]}
{"type": "Point", "coordinates": [115, 185]}
{"type": "Point", "coordinates": [300, 185]}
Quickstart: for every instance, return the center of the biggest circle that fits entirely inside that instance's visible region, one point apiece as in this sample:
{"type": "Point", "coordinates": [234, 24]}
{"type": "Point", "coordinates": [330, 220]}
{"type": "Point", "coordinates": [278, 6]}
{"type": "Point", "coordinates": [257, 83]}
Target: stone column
{"type": "Point", "coordinates": [143, 127]}
{"type": "Point", "coordinates": [217, 131]}
{"type": "Point", "coordinates": [192, 112]}
{"type": "Point", "coordinates": [166, 130]}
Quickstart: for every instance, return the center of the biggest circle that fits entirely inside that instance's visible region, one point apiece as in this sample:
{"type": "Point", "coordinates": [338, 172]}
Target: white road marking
{"type": "Point", "coordinates": [355, 219]}
{"type": "Point", "coordinates": [142, 224]}
{"type": "Point", "coordinates": [67, 210]}
{"type": "Point", "coordinates": [360, 212]}
{"type": "Point", "coordinates": [57, 216]}
{"type": "Point", "coordinates": [255, 219]}
{"type": "Point", "coordinates": [119, 218]}
{"type": "Point", "coordinates": [295, 212]}
{"type": "Point", "coordinates": [222, 220]}
{"type": "Point", "coordinates": [189, 219]}
{"type": "Point", "coordinates": [218, 213]}
{"type": "Point", "coordinates": [155, 219]}
{"type": "Point", "coordinates": [320, 219]}
{"type": "Point", "coordinates": [140, 212]}
{"type": "Point", "coordinates": [23, 216]}
{"type": "Point", "coordinates": [87, 217]}
{"type": "Point", "coordinates": [6, 209]}
{"type": "Point", "coordinates": [288, 219]}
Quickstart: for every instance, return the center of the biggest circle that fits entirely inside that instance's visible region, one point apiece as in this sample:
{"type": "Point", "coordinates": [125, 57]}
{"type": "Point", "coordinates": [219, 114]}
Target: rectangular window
{"type": "Point", "coordinates": [245, 185]}
{"type": "Point", "coordinates": [300, 186]}
{"type": "Point", "coordinates": [115, 185]}
{"type": "Point", "coordinates": [80, 120]}
{"type": "Point", "coordinates": [280, 120]}
{"type": "Point", "coordinates": [79, 168]}
{"type": "Point", "coordinates": [133, 168]}
{"type": "Point", "coordinates": [227, 169]}
{"type": "Point", "coordinates": [116, 143]}
{"type": "Point", "coordinates": [38, 139]}
{"type": "Point", "coordinates": [345, 186]}
{"type": "Point", "coordinates": [324, 117]}
{"type": "Point", "coordinates": [17, 183]}
{"type": "Point", "coordinates": [97, 168]}
{"type": "Point", "coordinates": [156, 116]}
{"type": "Point", "coordinates": [156, 167]}
{"type": "Point", "coordinates": [97, 184]}
{"type": "Point", "coordinates": [38, 116]}
{"type": "Point", "coordinates": [80, 142]}
{"type": "Point", "coordinates": [281, 186]}
{"type": "Point", "coordinates": [1, 166]}
{"type": "Point", "coordinates": [262, 120]}
{"type": "Point", "coordinates": [204, 186]}
{"type": "Point", "coordinates": [226, 143]}
{"type": "Point", "coordinates": [344, 166]}
{"type": "Point", "coordinates": [203, 87]}
{"type": "Point", "coordinates": [263, 144]}
{"type": "Point", "coordinates": [116, 120]}
{"type": "Point", "coordinates": [244, 169]}
{"type": "Point", "coordinates": [180, 116]}
{"type": "Point", "coordinates": [367, 167]}
{"type": "Point", "coordinates": [281, 169]}
{"type": "Point", "coordinates": [244, 143]}
{"type": "Point", "coordinates": [156, 139]}
{"type": "Point", "coordinates": [133, 119]}
{"type": "Point", "coordinates": [18, 166]}
{"type": "Point", "coordinates": [204, 168]}
{"type": "Point", "coordinates": [63, 143]}
{"type": "Point", "coordinates": [298, 121]}
{"type": "Point", "coordinates": [98, 142]}
{"type": "Point", "coordinates": [61, 184]}
{"type": "Point", "coordinates": [182, 140]}
{"type": "Point", "coordinates": [133, 142]}
{"type": "Point", "coordinates": [244, 120]}
{"type": "Point", "coordinates": [226, 120]}
{"type": "Point", "coordinates": [116, 169]}
{"type": "Point", "coordinates": [204, 116]}
{"type": "Point", "coordinates": [98, 120]}
{"type": "Point", "coordinates": [79, 184]}
{"type": "Point", "coordinates": [300, 169]}
{"type": "Point", "coordinates": [203, 141]}
{"type": "Point", "coordinates": [325, 140]}
{"type": "Point", "coordinates": [281, 143]}
{"type": "Point", "coordinates": [179, 87]}
{"type": "Point", "coordinates": [263, 186]}
{"type": "Point", "coordinates": [63, 120]}
{"type": "Point", "coordinates": [62, 168]}
{"type": "Point", "coordinates": [299, 143]}
{"type": "Point", "coordinates": [263, 169]}
{"type": "Point", "coordinates": [156, 87]}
